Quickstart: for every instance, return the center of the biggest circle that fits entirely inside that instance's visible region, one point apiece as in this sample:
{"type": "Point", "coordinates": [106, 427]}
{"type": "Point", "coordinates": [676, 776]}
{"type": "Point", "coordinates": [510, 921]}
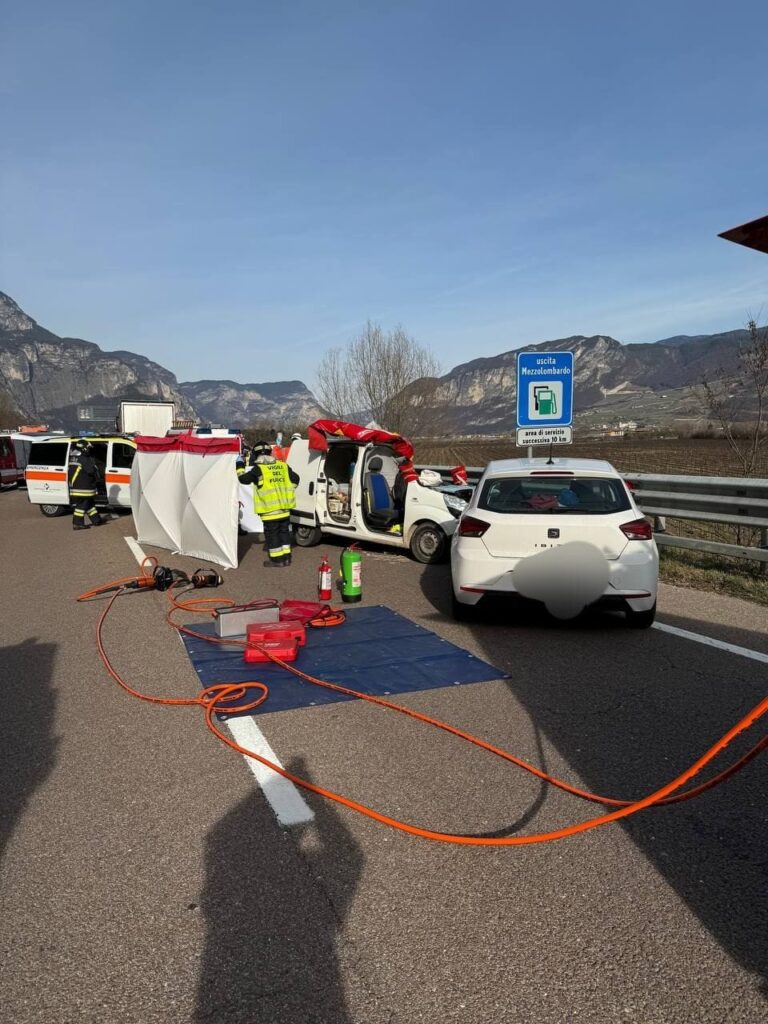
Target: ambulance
{"type": "Point", "coordinates": [46, 472]}
{"type": "Point", "coordinates": [12, 461]}
{"type": "Point", "coordinates": [348, 487]}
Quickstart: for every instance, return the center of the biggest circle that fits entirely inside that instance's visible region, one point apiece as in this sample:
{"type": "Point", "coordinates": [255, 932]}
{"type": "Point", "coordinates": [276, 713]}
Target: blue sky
{"type": "Point", "coordinates": [232, 188]}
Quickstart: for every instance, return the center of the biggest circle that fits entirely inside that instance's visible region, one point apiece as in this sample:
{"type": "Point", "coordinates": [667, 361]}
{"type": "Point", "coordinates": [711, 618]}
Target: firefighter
{"type": "Point", "coordinates": [84, 475]}
{"type": "Point", "coordinates": [273, 498]}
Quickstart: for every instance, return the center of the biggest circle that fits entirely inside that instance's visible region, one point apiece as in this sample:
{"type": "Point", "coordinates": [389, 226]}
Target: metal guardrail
{"type": "Point", "coordinates": [737, 501]}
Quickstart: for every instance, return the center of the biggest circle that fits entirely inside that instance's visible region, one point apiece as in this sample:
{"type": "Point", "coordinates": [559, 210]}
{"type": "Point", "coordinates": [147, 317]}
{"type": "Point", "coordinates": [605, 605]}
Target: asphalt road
{"type": "Point", "coordinates": [144, 877]}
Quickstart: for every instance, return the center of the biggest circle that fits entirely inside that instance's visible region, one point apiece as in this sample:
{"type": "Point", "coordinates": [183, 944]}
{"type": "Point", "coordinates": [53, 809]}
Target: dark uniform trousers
{"type": "Point", "coordinates": [277, 537]}
{"type": "Point", "coordinates": [82, 506]}
{"type": "Point", "coordinates": [83, 475]}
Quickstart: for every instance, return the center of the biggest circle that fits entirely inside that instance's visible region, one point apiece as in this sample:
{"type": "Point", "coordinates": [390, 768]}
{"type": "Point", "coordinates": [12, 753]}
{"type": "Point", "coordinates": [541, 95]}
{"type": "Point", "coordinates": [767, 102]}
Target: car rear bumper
{"type": "Point", "coordinates": [632, 581]}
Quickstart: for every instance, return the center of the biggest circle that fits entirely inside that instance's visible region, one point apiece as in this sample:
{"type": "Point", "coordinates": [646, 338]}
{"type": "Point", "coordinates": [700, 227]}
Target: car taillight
{"type": "Point", "coordinates": [471, 527]}
{"type": "Point", "coordinates": [638, 529]}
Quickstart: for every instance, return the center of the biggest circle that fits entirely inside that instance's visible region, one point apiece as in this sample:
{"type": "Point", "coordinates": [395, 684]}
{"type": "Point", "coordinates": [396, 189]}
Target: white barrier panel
{"type": "Point", "coordinates": [249, 521]}
{"type": "Point", "coordinates": [184, 496]}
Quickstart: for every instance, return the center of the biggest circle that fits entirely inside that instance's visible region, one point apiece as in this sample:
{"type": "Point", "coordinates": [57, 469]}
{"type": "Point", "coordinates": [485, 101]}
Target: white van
{"type": "Point", "coordinates": [46, 473]}
{"type": "Point", "coordinates": [350, 491]}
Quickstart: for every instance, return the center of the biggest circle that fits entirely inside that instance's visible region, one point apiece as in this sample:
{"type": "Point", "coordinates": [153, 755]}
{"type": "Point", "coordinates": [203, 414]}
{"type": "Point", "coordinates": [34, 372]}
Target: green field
{"type": "Point", "coordinates": [689, 457]}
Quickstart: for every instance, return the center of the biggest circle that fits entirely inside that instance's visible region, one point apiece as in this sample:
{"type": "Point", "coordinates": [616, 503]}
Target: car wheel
{"type": "Point", "coordinates": [307, 536]}
{"type": "Point", "coordinates": [52, 511]}
{"type": "Point", "coordinates": [462, 612]}
{"type": "Point", "coordinates": [641, 620]}
{"type": "Point", "coordinates": [428, 544]}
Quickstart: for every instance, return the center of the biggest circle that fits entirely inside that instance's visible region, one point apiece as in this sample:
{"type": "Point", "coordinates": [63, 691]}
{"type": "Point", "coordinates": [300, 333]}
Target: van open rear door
{"type": "Point", "coordinates": [117, 474]}
{"type": "Point", "coordinates": [46, 473]}
{"type": "Point", "coordinates": [307, 464]}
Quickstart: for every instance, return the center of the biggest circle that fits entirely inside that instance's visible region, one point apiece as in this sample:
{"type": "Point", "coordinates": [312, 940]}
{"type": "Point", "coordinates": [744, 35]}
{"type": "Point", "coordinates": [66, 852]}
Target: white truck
{"type": "Point", "coordinates": [351, 490]}
{"type": "Point", "coordinates": [153, 419]}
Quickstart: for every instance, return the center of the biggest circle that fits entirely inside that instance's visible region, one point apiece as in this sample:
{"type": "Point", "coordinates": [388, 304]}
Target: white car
{"type": "Point", "coordinates": [566, 532]}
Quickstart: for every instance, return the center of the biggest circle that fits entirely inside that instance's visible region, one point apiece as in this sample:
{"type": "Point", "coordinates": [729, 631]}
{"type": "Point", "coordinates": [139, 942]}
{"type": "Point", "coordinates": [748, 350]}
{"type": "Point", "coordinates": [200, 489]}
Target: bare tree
{"type": "Point", "coordinates": [334, 387]}
{"type": "Point", "coordinates": [386, 374]}
{"type": "Point", "coordinates": [9, 414]}
{"type": "Point", "coordinates": [725, 397]}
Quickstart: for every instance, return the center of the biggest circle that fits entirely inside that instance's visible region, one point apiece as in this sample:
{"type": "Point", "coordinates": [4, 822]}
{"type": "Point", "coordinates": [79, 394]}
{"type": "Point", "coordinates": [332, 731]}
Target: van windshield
{"type": "Point", "coordinates": [586, 495]}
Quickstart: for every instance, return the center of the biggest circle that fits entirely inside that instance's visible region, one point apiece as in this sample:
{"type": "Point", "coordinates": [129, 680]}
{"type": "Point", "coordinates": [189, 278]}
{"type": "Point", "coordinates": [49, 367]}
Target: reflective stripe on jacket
{"type": "Point", "coordinates": [83, 474]}
{"type": "Point", "coordinates": [273, 496]}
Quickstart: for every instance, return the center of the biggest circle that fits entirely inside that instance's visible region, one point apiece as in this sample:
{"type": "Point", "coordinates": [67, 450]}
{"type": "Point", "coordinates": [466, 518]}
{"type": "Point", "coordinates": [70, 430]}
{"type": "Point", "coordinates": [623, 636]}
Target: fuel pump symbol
{"type": "Point", "coordinates": [544, 400]}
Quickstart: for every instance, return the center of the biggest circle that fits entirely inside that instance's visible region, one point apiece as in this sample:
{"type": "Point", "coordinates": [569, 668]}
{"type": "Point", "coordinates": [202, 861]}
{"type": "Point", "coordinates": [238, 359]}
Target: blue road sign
{"type": "Point", "coordinates": [544, 389]}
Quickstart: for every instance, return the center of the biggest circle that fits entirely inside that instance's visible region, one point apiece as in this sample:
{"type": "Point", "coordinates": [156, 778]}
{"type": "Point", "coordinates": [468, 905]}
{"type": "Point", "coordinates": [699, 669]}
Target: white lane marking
{"type": "Point", "coordinates": [711, 642]}
{"type": "Point", "coordinates": [289, 806]}
{"type": "Point", "coordinates": [138, 554]}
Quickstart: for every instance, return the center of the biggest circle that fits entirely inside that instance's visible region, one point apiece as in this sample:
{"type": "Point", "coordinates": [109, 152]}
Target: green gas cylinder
{"type": "Point", "coordinates": [351, 573]}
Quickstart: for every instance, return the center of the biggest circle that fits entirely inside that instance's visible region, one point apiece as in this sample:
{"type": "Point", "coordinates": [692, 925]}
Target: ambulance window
{"type": "Point", "coordinates": [99, 451]}
{"type": "Point", "coordinates": [122, 456]}
{"type": "Point", "coordinates": [49, 453]}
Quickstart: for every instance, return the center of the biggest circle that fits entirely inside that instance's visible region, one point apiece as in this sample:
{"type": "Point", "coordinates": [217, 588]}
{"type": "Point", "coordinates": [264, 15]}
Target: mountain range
{"type": "Point", "coordinates": [70, 383]}
{"type": "Point", "coordinates": [656, 382]}
{"type": "Point", "coordinates": [73, 384]}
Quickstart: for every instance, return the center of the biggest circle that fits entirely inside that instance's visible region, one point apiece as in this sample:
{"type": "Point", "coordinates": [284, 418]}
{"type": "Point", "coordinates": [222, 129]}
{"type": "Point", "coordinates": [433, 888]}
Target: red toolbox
{"type": "Point", "coordinates": [277, 639]}
{"type": "Point", "coordinates": [258, 632]}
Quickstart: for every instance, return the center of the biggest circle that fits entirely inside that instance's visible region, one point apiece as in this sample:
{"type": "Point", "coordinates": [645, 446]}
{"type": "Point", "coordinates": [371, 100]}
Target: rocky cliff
{"type": "Point", "coordinates": [50, 377]}
{"type": "Point", "coordinates": [284, 402]}
{"type": "Point", "coordinates": [611, 379]}
{"type": "Point", "coordinates": [73, 384]}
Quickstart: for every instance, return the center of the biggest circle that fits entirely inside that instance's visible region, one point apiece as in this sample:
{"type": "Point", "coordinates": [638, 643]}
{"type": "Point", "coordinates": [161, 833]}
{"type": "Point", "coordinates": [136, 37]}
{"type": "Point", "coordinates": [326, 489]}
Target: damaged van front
{"type": "Point", "coordinates": [360, 483]}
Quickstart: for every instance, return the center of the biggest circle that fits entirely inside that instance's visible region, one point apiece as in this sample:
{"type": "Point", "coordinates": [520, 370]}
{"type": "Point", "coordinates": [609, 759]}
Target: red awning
{"type": "Point", "coordinates": [189, 443]}
{"type": "Point", "coordinates": [321, 430]}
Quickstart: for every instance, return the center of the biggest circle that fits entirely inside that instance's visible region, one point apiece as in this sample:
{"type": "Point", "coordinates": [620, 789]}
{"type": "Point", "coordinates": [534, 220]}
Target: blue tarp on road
{"type": "Point", "coordinates": [376, 651]}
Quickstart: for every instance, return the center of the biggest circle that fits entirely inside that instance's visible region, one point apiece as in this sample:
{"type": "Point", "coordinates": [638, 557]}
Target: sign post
{"type": "Point", "coordinates": [544, 398]}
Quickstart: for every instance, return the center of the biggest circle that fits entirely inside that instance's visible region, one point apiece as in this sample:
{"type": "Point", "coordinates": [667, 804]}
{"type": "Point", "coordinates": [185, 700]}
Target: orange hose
{"type": "Point", "coordinates": [214, 700]}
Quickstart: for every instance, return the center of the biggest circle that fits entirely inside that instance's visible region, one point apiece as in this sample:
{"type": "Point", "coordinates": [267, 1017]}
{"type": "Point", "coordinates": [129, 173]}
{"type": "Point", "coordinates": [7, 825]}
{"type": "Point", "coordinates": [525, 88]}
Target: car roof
{"type": "Point", "coordinates": [597, 467]}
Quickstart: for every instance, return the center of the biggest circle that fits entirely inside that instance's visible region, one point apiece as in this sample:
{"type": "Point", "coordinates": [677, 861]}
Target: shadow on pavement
{"type": "Point", "coordinates": [629, 710]}
{"type": "Point", "coordinates": [270, 950]}
{"type": "Point", "coordinates": [28, 750]}
{"type": "Point", "coordinates": [250, 547]}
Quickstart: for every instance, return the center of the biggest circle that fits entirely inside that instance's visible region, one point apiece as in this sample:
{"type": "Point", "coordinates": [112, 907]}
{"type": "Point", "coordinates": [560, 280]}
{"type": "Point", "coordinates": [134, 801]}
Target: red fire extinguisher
{"type": "Point", "coordinates": [324, 580]}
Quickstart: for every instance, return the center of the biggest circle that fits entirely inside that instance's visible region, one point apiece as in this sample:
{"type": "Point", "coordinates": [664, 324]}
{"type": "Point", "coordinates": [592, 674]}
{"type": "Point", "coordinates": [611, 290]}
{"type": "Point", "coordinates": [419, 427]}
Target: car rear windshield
{"type": "Point", "coordinates": [585, 495]}
{"type": "Point", "coordinates": [49, 453]}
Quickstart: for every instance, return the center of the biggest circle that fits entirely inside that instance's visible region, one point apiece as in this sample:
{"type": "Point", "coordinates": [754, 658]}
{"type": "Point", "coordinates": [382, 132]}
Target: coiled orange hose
{"type": "Point", "coordinates": [218, 699]}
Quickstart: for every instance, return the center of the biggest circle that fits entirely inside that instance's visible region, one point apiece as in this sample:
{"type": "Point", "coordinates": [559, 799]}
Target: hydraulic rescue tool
{"type": "Point", "coordinates": [219, 698]}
